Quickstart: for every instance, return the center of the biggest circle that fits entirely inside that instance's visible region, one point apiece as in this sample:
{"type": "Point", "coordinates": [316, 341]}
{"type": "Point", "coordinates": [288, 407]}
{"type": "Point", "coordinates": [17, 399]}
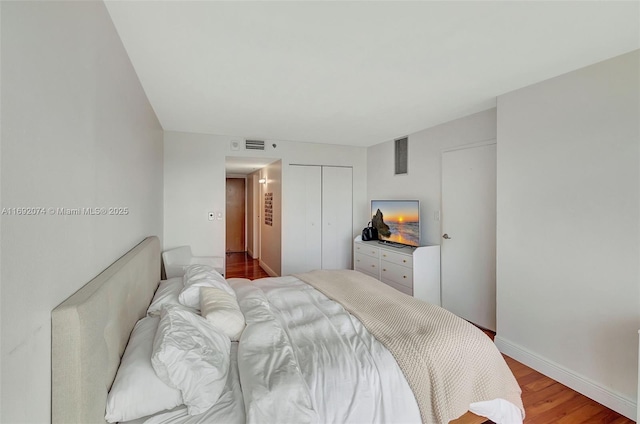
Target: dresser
{"type": "Point", "coordinates": [412, 270]}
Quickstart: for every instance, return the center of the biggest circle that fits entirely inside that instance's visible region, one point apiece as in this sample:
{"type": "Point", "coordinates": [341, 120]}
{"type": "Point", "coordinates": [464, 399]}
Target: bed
{"type": "Point", "coordinates": [316, 348]}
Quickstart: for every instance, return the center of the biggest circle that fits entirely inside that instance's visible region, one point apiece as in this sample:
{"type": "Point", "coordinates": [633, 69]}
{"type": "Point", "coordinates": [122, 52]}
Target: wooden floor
{"type": "Point", "coordinates": [241, 265]}
{"type": "Point", "coordinates": [545, 400]}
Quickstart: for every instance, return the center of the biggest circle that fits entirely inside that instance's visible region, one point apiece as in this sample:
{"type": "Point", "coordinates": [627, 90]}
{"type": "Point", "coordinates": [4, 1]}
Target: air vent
{"type": "Point", "coordinates": [254, 144]}
{"type": "Point", "coordinates": [402, 155]}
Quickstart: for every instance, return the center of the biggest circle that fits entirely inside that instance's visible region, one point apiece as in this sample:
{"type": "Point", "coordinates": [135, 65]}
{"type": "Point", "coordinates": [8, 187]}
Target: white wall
{"type": "Point", "coordinates": [423, 181]}
{"type": "Point", "coordinates": [271, 235]}
{"type": "Point", "coordinates": [194, 184]}
{"type": "Point", "coordinates": [0, 213]}
{"type": "Point", "coordinates": [77, 132]}
{"type": "Point", "coordinates": [252, 183]}
{"type": "Point", "coordinates": [568, 228]}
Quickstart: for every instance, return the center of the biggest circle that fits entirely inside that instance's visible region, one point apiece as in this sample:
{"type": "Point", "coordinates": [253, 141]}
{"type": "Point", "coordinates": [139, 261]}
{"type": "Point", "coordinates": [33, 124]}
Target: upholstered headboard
{"type": "Point", "coordinates": [90, 330]}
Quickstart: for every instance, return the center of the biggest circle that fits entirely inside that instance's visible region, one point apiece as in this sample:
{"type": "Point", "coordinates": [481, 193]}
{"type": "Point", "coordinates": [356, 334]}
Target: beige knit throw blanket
{"type": "Point", "coordinates": [447, 362]}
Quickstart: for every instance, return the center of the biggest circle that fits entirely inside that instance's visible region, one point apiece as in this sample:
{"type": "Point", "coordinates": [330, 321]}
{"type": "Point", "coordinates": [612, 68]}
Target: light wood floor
{"type": "Point", "coordinates": [545, 400]}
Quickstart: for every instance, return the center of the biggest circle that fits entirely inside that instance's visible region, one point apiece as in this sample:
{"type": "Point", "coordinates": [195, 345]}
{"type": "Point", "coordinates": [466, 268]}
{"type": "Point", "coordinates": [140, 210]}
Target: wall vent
{"type": "Point", "coordinates": [254, 144]}
{"type": "Point", "coordinates": [401, 155]}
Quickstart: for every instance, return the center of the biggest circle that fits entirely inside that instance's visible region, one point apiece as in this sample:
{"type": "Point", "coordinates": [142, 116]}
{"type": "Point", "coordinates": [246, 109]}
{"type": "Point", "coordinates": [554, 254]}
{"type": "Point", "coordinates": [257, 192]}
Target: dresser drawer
{"type": "Point", "coordinates": [397, 258]}
{"type": "Point", "coordinates": [411, 270]}
{"type": "Point", "coordinates": [366, 264]}
{"type": "Point", "coordinates": [374, 252]}
{"type": "Point", "coordinates": [400, 287]}
{"type": "Point", "coordinates": [396, 274]}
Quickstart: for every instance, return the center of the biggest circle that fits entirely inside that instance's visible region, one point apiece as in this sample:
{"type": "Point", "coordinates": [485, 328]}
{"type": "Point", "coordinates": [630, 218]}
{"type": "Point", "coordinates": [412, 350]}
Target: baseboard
{"type": "Point", "coordinates": [267, 269]}
{"type": "Point", "coordinates": [250, 253]}
{"type": "Point", "coordinates": [567, 377]}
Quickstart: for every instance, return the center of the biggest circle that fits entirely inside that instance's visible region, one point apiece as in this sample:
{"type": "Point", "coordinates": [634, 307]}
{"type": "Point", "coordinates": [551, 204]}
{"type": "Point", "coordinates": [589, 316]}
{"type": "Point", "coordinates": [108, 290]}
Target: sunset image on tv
{"type": "Point", "coordinates": [397, 220]}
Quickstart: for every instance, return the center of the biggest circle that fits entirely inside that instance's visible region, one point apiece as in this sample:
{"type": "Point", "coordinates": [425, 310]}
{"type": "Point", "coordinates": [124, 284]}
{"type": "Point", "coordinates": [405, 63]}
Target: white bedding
{"type": "Point", "coordinates": [229, 408]}
{"type": "Point", "coordinates": [304, 359]}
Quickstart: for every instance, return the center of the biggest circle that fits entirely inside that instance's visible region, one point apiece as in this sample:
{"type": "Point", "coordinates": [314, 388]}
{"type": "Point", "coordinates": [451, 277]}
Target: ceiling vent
{"type": "Point", "coordinates": [254, 144]}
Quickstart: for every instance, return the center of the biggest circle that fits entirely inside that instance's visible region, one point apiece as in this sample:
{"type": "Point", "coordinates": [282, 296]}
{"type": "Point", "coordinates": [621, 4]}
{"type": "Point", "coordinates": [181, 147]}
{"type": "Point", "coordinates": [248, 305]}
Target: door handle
{"type": "Point", "coordinates": [446, 236]}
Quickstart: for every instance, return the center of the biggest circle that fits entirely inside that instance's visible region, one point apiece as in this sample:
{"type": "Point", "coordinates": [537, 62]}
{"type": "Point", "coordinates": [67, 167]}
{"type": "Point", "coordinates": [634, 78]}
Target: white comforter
{"type": "Point", "coordinates": [304, 359]}
{"type": "Point", "coordinates": [229, 409]}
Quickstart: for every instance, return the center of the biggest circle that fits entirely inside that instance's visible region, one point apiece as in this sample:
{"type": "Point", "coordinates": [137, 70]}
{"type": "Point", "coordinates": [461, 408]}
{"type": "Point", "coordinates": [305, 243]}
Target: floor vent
{"type": "Point", "coordinates": [254, 144]}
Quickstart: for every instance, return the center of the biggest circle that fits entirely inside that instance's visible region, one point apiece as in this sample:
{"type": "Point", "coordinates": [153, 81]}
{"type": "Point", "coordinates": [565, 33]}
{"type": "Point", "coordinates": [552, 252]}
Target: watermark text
{"type": "Point", "coordinates": [62, 211]}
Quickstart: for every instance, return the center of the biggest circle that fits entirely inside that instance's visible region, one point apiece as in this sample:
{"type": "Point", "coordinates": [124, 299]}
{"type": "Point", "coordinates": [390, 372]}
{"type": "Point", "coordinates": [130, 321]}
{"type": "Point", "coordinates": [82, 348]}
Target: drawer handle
{"type": "Point", "coordinates": [404, 276]}
{"type": "Point", "coordinates": [384, 254]}
{"type": "Point", "coordinates": [384, 269]}
{"type": "Point", "coordinates": [373, 266]}
{"type": "Point", "coordinates": [404, 260]}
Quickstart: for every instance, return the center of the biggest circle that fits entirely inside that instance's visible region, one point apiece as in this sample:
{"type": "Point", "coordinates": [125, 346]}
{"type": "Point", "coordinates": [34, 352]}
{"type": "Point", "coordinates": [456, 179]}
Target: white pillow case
{"type": "Point", "coordinates": [191, 355]}
{"type": "Point", "coordinates": [222, 310]}
{"type": "Point", "coordinates": [167, 294]}
{"type": "Point", "coordinates": [199, 270]}
{"type": "Point", "coordinates": [137, 391]}
{"type": "Point", "coordinates": [197, 276]}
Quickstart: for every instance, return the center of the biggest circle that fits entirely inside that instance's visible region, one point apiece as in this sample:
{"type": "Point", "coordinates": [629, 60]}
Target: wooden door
{"type": "Point", "coordinates": [235, 223]}
{"type": "Point", "coordinates": [337, 217]}
{"type": "Point", "coordinates": [469, 234]}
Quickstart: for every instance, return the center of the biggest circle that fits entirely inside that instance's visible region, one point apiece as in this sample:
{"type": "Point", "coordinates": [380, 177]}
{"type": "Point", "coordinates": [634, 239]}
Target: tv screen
{"type": "Point", "coordinates": [397, 221]}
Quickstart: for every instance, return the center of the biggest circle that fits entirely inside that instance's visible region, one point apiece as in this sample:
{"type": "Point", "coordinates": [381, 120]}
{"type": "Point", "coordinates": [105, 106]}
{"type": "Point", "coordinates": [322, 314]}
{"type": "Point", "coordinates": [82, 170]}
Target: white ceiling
{"type": "Point", "coordinates": [355, 73]}
{"type": "Point", "coordinates": [240, 165]}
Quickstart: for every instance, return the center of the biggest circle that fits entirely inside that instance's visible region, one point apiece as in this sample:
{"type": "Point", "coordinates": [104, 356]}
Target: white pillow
{"type": "Point", "coordinates": [197, 276]}
{"type": "Point", "coordinates": [137, 391]}
{"type": "Point", "coordinates": [191, 355]}
{"type": "Point", "coordinates": [167, 294]}
{"type": "Point", "coordinates": [222, 310]}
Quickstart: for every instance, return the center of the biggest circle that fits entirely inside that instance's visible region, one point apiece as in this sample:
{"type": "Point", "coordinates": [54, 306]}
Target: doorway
{"type": "Point", "coordinates": [243, 225]}
{"type": "Point", "coordinates": [469, 233]}
{"type": "Point", "coordinates": [235, 212]}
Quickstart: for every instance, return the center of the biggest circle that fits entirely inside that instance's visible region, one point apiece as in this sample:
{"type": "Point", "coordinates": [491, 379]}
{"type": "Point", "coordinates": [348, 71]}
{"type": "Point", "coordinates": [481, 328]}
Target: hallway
{"type": "Point", "coordinates": [241, 265]}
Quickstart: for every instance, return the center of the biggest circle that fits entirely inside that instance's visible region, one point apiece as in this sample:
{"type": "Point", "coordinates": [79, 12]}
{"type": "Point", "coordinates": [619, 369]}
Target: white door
{"type": "Point", "coordinates": [469, 234]}
{"type": "Point", "coordinates": [305, 198]}
{"type": "Point", "coordinates": [337, 217]}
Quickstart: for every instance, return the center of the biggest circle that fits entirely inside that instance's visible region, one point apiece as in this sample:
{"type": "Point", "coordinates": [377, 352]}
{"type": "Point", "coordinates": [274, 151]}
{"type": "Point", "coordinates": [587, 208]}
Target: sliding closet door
{"type": "Point", "coordinates": [337, 217]}
{"type": "Point", "coordinates": [306, 200]}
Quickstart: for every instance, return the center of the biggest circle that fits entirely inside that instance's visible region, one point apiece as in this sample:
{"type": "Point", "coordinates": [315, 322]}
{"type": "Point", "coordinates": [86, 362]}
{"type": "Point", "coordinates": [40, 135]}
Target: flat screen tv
{"type": "Point", "coordinates": [397, 221]}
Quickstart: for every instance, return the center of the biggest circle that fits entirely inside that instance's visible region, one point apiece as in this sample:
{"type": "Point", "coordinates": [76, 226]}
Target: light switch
{"type": "Point", "coordinates": [219, 216]}
{"type": "Point", "coordinates": [211, 215]}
